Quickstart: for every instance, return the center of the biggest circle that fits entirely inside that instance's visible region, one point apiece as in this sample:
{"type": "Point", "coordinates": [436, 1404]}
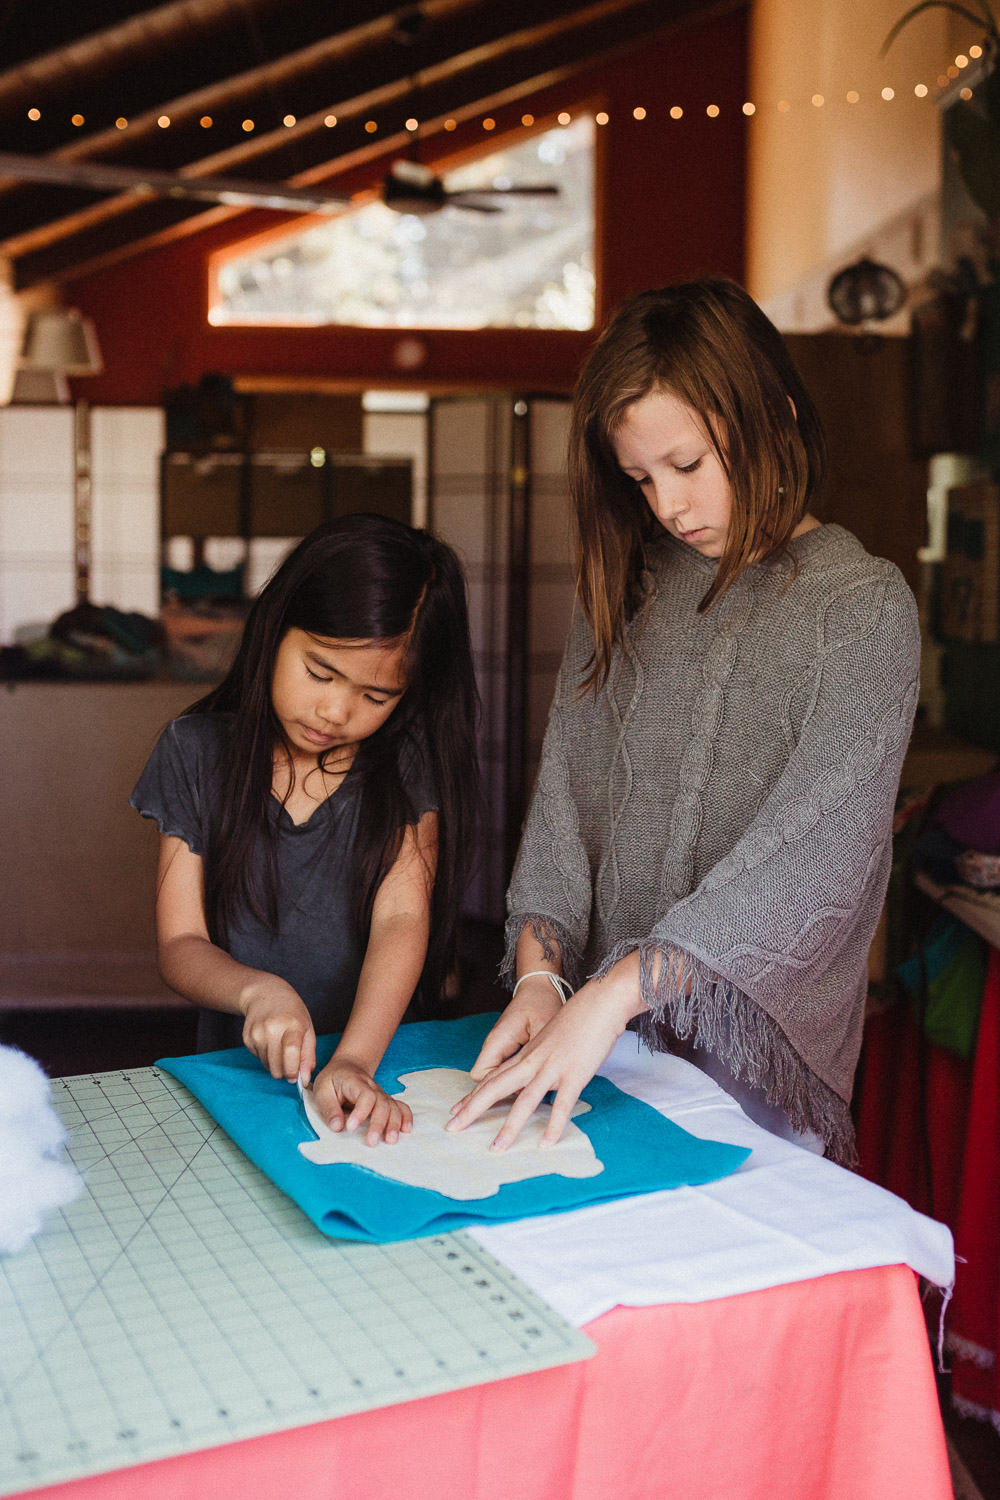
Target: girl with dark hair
{"type": "Point", "coordinates": [710, 835]}
{"type": "Point", "coordinates": [317, 813]}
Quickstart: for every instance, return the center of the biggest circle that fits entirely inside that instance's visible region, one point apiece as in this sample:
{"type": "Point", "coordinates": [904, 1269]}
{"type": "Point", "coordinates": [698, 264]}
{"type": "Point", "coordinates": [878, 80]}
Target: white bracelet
{"type": "Point", "coordinates": [562, 986]}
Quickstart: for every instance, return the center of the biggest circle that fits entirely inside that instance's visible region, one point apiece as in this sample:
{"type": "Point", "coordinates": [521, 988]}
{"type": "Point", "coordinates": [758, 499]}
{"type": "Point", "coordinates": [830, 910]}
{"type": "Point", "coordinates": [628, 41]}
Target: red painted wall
{"type": "Point", "coordinates": [671, 205]}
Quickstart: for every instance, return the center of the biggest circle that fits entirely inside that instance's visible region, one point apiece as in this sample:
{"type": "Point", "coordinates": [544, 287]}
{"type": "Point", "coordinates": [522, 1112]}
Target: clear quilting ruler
{"type": "Point", "coordinates": [184, 1302]}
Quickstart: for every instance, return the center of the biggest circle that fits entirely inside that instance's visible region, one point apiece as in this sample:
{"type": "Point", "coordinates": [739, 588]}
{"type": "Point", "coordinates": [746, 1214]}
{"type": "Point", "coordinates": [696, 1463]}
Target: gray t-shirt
{"type": "Point", "coordinates": [315, 948]}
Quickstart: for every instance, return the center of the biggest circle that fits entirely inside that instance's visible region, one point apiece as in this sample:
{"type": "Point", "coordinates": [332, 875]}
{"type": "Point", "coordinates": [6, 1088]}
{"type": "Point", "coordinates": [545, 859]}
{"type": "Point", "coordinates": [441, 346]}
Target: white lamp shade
{"type": "Point", "coordinates": [61, 339]}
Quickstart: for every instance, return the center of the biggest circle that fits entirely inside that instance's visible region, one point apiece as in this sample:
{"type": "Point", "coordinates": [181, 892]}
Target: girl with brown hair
{"type": "Point", "coordinates": [710, 835]}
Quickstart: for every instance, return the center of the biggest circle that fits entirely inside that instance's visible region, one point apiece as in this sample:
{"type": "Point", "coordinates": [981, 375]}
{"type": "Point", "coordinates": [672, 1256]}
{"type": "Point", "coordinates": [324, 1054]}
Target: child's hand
{"type": "Point", "coordinates": [279, 1030]}
{"type": "Point", "coordinates": [534, 1005]}
{"type": "Point", "coordinates": [344, 1083]}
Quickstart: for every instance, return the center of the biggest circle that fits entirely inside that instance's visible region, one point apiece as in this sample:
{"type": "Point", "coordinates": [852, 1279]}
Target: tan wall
{"type": "Point", "coordinates": [822, 178]}
{"type": "Point", "coordinates": [78, 867]}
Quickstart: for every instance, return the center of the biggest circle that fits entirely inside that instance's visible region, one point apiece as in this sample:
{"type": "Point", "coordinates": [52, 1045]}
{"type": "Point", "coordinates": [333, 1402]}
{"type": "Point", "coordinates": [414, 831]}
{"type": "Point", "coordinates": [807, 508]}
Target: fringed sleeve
{"type": "Point", "coordinates": [764, 963]}
{"type": "Point", "coordinates": [550, 889]}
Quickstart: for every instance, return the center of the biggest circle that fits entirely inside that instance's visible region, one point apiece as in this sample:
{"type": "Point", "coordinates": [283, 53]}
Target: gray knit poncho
{"type": "Point", "coordinates": [726, 804]}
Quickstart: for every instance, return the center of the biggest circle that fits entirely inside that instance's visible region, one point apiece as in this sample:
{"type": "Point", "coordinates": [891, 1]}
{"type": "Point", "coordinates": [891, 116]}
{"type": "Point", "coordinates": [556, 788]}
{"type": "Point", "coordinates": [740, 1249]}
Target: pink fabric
{"type": "Point", "coordinates": [974, 1316]}
{"type": "Point", "coordinates": [822, 1390]}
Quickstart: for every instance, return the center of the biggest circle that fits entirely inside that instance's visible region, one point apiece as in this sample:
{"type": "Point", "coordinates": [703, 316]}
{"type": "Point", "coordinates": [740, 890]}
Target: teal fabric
{"type": "Point", "coordinates": [641, 1151]}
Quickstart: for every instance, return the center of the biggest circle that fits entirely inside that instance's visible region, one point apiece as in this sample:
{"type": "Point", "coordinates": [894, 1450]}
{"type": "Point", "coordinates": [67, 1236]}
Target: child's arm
{"type": "Point", "coordinates": [394, 958]}
{"type": "Point", "coordinates": [277, 1027]}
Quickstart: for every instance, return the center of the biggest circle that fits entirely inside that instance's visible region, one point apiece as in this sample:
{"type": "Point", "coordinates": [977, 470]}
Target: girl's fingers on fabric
{"type": "Point", "coordinates": [562, 1108]}
{"type": "Point", "coordinates": [379, 1121]}
{"type": "Point", "coordinates": [363, 1106]}
{"type": "Point", "coordinates": [521, 1111]}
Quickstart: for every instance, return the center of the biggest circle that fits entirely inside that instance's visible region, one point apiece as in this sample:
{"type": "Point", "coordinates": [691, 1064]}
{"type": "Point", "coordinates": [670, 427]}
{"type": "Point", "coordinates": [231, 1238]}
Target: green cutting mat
{"type": "Point", "coordinates": [185, 1302]}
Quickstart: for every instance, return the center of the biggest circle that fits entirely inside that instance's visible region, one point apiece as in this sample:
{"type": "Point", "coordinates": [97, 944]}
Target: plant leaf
{"type": "Point", "coordinates": [977, 142]}
{"type": "Point", "coordinates": [986, 19]}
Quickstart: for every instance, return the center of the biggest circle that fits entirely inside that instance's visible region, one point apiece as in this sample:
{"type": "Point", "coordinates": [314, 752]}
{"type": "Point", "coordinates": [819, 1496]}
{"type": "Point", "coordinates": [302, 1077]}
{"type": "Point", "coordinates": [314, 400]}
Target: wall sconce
{"type": "Point", "coordinates": [865, 292]}
{"type": "Point", "coordinates": [57, 342]}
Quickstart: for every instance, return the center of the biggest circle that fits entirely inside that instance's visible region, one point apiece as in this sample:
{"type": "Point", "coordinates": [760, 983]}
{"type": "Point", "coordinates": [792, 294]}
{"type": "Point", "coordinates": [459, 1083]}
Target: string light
{"type": "Point", "coordinates": [289, 120]}
{"type": "Point", "coordinates": [853, 96]}
{"type": "Point", "coordinates": [818, 101]}
{"type": "Point", "coordinates": [975, 51]}
{"type": "Point", "coordinates": [676, 112]}
{"type": "Point", "coordinates": [121, 123]}
{"type": "Point", "coordinates": [330, 121]}
{"type": "Point", "coordinates": [527, 120]}
{"type": "Point", "coordinates": [961, 61]}
{"type": "Point", "coordinates": [164, 122]}
{"type": "Point", "coordinates": [965, 93]}
{"type": "Point", "coordinates": [638, 113]}
{"type": "Point", "coordinates": [920, 89]}
{"type": "Point", "coordinates": [205, 122]}
{"type": "Point", "coordinates": [952, 71]}
{"type": "Point", "coordinates": [564, 118]}
{"type": "Point", "coordinates": [371, 126]}
{"type": "Point", "coordinates": [942, 80]}
{"type": "Point", "coordinates": [489, 123]}
{"type": "Point", "coordinates": [600, 118]}
{"type": "Point", "coordinates": [78, 119]}
{"type": "Point", "coordinates": [784, 106]}
{"type": "Point", "coordinates": [749, 109]}
{"type": "Point", "coordinates": [411, 124]}
{"type": "Point", "coordinates": [34, 114]}
{"type": "Point", "coordinates": [888, 94]}
{"type": "Point", "coordinates": [448, 124]}
{"type": "Point", "coordinates": [248, 126]}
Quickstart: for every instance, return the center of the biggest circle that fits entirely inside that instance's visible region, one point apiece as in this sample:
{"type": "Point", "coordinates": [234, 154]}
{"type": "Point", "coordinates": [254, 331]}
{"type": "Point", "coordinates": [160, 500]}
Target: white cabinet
{"type": "Point", "coordinates": [37, 575]}
{"type": "Point", "coordinates": [36, 515]}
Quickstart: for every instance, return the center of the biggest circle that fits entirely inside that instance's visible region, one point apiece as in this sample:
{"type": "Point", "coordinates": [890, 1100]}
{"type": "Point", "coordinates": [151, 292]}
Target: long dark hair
{"type": "Point", "coordinates": [360, 578]}
{"type": "Point", "coordinates": [708, 343]}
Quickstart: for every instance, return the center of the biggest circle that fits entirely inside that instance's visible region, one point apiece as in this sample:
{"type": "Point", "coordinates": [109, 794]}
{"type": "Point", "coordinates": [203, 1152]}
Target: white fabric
{"type": "Point", "coordinates": [785, 1215]}
{"type": "Point", "coordinates": [33, 1180]}
{"type": "Point", "coordinates": [456, 1164]}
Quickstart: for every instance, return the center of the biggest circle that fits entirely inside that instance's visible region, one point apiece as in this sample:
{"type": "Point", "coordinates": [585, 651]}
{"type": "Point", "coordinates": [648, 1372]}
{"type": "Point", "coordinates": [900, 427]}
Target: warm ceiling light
{"type": "Point", "coordinates": [450, 124]}
{"type": "Point", "coordinates": [564, 118]}
{"type": "Point", "coordinates": [920, 89]}
{"type": "Point", "coordinates": [749, 109]}
{"type": "Point", "coordinates": [675, 111]}
{"type": "Point", "coordinates": [818, 101]}
{"type": "Point", "coordinates": [527, 119]}
{"type": "Point", "coordinates": [888, 94]}
{"type": "Point", "coordinates": [489, 123]}
{"type": "Point", "coordinates": [289, 120]}
{"type": "Point", "coordinates": [164, 122]}
{"type": "Point", "coordinates": [638, 113]}
{"type": "Point", "coordinates": [78, 119]}
{"type": "Point", "coordinates": [371, 126]}
{"type": "Point", "coordinates": [330, 121]}
{"type": "Point", "coordinates": [34, 114]}
{"type": "Point", "coordinates": [205, 122]}
{"type": "Point", "coordinates": [248, 126]}
{"type": "Point", "coordinates": [712, 111]}
{"type": "Point", "coordinates": [601, 118]}
{"type": "Point", "coordinates": [965, 93]}
{"type": "Point", "coordinates": [961, 61]}
{"type": "Point", "coordinates": [411, 123]}
{"type": "Point", "coordinates": [121, 123]}
{"type": "Point", "coordinates": [853, 96]}
{"type": "Point", "coordinates": [784, 106]}
{"type": "Point", "coordinates": [975, 51]}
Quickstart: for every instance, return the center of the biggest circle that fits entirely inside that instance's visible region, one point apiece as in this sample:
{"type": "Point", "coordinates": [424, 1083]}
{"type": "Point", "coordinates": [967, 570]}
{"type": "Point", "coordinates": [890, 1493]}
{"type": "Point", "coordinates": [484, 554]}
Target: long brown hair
{"type": "Point", "coordinates": [707, 343]}
{"type": "Point", "coordinates": [364, 578]}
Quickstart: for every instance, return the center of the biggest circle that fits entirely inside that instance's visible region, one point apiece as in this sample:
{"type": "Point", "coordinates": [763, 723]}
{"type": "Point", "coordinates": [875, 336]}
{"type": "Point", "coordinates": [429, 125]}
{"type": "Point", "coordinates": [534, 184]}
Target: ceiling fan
{"type": "Point", "coordinates": [412, 188]}
{"type": "Point", "coordinates": [409, 188]}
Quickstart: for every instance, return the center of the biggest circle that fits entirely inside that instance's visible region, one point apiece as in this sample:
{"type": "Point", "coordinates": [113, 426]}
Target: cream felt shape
{"type": "Point", "coordinates": [460, 1164]}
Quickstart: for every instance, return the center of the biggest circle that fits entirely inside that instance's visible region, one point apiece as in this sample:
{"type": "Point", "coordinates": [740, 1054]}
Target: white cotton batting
{"type": "Point", "coordinates": [33, 1178]}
